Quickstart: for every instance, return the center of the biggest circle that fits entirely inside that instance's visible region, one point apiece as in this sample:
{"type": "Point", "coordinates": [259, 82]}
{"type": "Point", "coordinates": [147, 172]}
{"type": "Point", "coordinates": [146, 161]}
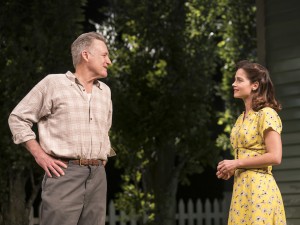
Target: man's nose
{"type": "Point", "coordinates": [108, 61]}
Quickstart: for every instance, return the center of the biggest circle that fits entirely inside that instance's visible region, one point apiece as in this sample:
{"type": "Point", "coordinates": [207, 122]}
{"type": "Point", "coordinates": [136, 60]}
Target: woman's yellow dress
{"type": "Point", "coordinates": [256, 198]}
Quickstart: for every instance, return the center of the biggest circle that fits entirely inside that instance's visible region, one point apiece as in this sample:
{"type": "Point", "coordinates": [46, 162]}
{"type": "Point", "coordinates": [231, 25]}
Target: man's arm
{"type": "Point", "coordinates": [35, 105]}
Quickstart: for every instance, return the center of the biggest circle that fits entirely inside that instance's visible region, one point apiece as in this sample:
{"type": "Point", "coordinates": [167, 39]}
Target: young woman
{"type": "Point", "coordinates": [256, 141]}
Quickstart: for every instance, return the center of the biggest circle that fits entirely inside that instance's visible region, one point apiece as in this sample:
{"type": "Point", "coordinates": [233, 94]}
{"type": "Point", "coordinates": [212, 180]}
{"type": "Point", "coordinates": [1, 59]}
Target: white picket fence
{"type": "Point", "coordinates": [188, 213]}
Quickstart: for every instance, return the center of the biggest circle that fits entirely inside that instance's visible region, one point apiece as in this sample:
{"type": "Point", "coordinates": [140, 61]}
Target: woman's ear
{"type": "Point", "coordinates": [255, 86]}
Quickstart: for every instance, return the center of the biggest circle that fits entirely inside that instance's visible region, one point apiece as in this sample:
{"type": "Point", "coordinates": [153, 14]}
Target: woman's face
{"type": "Point", "coordinates": [242, 87]}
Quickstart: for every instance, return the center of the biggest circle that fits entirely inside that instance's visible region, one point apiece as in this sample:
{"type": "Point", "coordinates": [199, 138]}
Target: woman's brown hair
{"type": "Point", "coordinates": [264, 95]}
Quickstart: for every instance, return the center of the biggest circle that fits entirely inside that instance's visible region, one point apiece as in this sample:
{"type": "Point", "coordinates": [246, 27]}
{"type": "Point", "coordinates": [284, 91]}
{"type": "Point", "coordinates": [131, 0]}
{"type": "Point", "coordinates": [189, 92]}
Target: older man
{"type": "Point", "coordinates": [73, 112]}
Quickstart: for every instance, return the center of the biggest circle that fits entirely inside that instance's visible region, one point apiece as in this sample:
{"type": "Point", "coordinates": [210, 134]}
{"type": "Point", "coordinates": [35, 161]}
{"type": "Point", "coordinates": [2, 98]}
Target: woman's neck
{"type": "Point", "coordinates": [248, 105]}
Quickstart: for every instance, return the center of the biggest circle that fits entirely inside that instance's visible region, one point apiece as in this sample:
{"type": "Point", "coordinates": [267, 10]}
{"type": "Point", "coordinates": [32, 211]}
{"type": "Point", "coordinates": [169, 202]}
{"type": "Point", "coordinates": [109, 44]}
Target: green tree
{"type": "Point", "coordinates": [35, 40]}
{"type": "Point", "coordinates": [237, 42]}
{"type": "Point", "coordinates": [163, 92]}
{"type": "Point", "coordinates": [166, 54]}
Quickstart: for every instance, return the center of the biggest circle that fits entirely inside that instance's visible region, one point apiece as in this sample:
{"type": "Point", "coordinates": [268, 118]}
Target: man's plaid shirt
{"type": "Point", "coordinates": [69, 124]}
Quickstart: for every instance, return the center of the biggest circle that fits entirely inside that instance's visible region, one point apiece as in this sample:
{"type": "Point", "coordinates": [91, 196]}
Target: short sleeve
{"type": "Point", "coordinates": [268, 118]}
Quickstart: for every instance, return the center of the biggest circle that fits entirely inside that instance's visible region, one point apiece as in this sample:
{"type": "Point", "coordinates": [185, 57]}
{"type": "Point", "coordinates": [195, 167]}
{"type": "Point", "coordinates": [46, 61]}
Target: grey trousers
{"type": "Point", "coordinates": [77, 198]}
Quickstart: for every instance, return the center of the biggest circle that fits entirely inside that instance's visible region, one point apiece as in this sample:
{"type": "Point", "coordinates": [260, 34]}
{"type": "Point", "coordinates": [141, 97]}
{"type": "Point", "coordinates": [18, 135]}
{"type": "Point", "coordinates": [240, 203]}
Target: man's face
{"type": "Point", "coordinates": [98, 60]}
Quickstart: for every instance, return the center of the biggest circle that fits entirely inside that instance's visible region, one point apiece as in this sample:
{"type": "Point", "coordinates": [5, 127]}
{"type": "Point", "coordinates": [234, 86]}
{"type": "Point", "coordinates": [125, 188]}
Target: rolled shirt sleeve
{"type": "Point", "coordinates": [29, 110]}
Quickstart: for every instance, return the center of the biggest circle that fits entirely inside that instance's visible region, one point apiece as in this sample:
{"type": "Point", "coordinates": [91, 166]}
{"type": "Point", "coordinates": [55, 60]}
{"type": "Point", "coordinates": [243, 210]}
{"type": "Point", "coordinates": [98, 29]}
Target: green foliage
{"type": "Point", "coordinates": [35, 40]}
{"type": "Point", "coordinates": [237, 42]}
{"type": "Point", "coordinates": [133, 200]}
{"type": "Point", "coordinates": [166, 54]}
{"type": "Point", "coordinates": [162, 74]}
{"type": "Point", "coordinates": [163, 92]}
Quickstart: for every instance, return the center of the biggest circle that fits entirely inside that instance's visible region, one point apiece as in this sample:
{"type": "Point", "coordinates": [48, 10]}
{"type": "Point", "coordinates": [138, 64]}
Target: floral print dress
{"type": "Point", "coordinates": [256, 198]}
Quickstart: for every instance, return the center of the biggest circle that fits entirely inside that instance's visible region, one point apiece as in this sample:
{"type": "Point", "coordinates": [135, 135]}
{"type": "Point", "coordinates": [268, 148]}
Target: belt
{"type": "Point", "coordinates": [83, 162]}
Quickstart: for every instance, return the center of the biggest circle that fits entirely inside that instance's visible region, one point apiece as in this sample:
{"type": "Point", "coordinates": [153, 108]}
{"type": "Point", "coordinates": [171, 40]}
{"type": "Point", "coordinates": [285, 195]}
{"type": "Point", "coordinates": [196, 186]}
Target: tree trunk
{"type": "Point", "coordinates": [17, 209]}
{"type": "Point", "coordinates": [163, 178]}
{"type": "Point", "coordinates": [16, 213]}
{"type": "Point", "coordinates": [165, 202]}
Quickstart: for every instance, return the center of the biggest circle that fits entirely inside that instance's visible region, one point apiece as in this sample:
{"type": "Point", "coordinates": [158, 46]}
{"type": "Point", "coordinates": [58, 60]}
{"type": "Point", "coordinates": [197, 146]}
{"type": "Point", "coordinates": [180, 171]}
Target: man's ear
{"type": "Point", "coordinates": [85, 55]}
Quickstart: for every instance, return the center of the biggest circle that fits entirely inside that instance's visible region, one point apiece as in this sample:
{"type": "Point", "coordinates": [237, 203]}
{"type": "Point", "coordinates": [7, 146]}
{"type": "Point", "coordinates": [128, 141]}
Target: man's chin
{"type": "Point", "coordinates": [102, 76]}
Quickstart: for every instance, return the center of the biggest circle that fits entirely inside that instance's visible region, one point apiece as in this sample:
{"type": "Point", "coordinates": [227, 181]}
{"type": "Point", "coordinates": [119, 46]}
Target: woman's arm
{"type": "Point", "coordinates": [272, 156]}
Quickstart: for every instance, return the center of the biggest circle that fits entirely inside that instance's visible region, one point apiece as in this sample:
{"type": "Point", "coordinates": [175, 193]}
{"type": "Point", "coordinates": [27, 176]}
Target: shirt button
{"type": "Point", "coordinates": [83, 89]}
{"type": "Point", "coordinates": [91, 118]}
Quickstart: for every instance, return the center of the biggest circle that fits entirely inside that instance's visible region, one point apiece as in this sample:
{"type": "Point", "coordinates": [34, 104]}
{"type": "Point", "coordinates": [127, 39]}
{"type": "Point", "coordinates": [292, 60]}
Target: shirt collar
{"type": "Point", "coordinates": [71, 76]}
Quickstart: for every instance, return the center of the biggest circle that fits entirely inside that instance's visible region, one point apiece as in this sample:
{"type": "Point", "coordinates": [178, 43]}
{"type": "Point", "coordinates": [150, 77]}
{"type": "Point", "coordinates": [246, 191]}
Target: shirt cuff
{"type": "Point", "coordinates": [21, 138]}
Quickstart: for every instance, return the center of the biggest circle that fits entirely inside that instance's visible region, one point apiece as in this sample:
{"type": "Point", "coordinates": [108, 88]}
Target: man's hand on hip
{"type": "Point", "coordinates": [49, 164]}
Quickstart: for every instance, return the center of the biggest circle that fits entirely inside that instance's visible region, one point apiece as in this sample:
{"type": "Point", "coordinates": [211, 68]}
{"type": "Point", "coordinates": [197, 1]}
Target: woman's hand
{"type": "Point", "coordinates": [226, 169]}
{"type": "Point", "coordinates": [224, 176]}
